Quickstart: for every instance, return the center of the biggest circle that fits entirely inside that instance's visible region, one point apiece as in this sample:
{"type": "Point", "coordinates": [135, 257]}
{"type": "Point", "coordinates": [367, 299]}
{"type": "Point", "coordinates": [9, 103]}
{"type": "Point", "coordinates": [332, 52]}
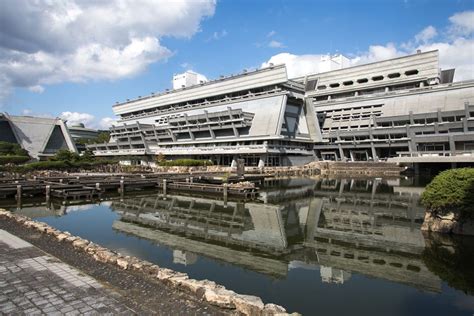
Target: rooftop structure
{"type": "Point", "coordinates": [41, 137]}
{"type": "Point", "coordinates": [79, 133]}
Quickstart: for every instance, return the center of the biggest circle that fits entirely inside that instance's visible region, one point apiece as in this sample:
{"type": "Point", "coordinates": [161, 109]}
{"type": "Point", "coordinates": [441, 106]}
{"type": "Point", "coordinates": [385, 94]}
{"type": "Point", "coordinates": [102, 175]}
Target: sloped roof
{"type": "Point", "coordinates": [34, 133]}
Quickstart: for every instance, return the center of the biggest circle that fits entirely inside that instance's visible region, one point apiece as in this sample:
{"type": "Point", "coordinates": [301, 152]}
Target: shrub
{"type": "Point", "coordinates": [451, 191]}
{"type": "Point", "coordinates": [185, 163]}
{"type": "Point", "coordinates": [13, 159]}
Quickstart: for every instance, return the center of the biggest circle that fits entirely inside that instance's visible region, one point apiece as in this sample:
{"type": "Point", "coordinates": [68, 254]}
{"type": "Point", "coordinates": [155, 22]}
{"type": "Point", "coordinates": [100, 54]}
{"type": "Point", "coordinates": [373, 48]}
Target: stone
{"type": "Point", "coordinates": [248, 304]}
{"type": "Point", "coordinates": [105, 256]}
{"type": "Point", "coordinates": [273, 309]}
{"type": "Point", "coordinates": [61, 237]}
{"type": "Point", "coordinates": [165, 274]}
{"type": "Point", "coordinates": [122, 263]}
{"type": "Point", "coordinates": [80, 243]}
{"type": "Point", "coordinates": [219, 296]}
{"type": "Point", "coordinates": [194, 286]}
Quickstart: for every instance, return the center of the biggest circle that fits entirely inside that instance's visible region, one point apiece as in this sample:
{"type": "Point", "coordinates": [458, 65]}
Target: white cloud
{"type": "Point", "coordinates": [271, 33]}
{"type": "Point", "coordinates": [454, 52]}
{"type": "Point", "coordinates": [462, 23]}
{"type": "Point", "coordinates": [296, 65]}
{"type": "Point", "coordinates": [217, 35]}
{"type": "Point", "coordinates": [276, 44]}
{"type": "Point", "coordinates": [426, 34]}
{"type": "Point", "coordinates": [47, 42]}
{"type": "Point", "coordinates": [106, 123]}
{"type": "Point", "coordinates": [74, 118]}
{"type": "Point", "coordinates": [37, 88]}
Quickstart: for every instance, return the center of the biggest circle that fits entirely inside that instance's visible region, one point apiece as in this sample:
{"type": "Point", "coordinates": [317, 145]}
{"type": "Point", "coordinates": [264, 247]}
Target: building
{"type": "Point", "coordinates": [187, 79]}
{"type": "Point", "coordinates": [401, 109]}
{"type": "Point", "coordinates": [258, 116]}
{"type": "Point", "coordinates": [81, 134]}
{"type": "Point", "coordinates": [41, 137]}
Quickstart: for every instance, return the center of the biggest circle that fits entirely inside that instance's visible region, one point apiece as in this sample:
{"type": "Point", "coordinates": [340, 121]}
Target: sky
{"type": "Point", "coordinates": [75, 58]}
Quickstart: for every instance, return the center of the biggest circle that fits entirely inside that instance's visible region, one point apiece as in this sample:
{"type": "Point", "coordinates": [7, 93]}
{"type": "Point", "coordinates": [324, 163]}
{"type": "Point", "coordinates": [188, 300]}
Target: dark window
{"type": "Point", "coordinates": [362, 80]}
{"type": "Point", "coordinates": [334, 85]}
{"type": "Point", "coordinates": [377, 78]}
{"type": "Point", "coordinates": [394, 75]}
{"type": "Point", "coordinates": [321, 87]}
{"type": "Point", "coordinates": [411, 72]}
{"type": "Point", "coordinates": [348, 83]}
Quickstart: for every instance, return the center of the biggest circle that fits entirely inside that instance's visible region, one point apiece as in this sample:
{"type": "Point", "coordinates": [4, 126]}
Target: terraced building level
{"type": "Point", "coordinates": [403, 108]}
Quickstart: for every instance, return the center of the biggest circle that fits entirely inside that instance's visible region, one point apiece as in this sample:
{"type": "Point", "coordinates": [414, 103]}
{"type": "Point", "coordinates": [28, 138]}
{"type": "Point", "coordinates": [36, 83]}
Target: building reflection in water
{"type": "Point", "coordinates": [339, 227]}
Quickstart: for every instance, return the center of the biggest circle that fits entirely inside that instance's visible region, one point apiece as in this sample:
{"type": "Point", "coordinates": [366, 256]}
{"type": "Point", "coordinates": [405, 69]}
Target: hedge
{"type": "Point", "coordinates": [13, 159]}
{"type": "Point", "coordinates": [185, 163]}
{"type": "Point", "coordinates": [451, 191]}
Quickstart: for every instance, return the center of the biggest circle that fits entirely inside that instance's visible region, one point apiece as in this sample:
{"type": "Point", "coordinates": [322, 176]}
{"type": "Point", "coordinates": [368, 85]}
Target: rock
{"type": "Point", "coordinates": [105, 256]}
{"type": "Point", "coordinates": [122, 263]}
{"type": "Point", "coordinates": [273, 309]}
{"type": "Point", "coordinates": [80, 243]}
{"type": "Point", "coordinates": [61, 236]}
{"type": "Point", "coordinates": [165, 274]}
{"type": "Point", "coordinates": [192, 285]}
{"type": "Point", "coordinates": [248, 304]}
{"type": "Point", "coordinates": [219, 296]}
{"type": "Point", "coordinates": [71, 238]}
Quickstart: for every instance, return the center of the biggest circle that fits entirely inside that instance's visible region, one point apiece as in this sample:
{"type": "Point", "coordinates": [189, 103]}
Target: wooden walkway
{"type": "Point", "coordinates": [88, 187]}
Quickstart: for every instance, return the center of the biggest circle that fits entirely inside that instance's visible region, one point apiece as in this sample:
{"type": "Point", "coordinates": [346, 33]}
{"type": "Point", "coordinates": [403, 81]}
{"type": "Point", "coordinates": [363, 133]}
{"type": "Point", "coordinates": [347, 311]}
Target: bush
{"type": "Point", "coordinates": [12, 149]}
{"type": "Point", "coordinates": [185, 163]}
{"type": "Point", "coordinates": [13, 159]}
{"type": "Point", "coordinates": [451, 191]}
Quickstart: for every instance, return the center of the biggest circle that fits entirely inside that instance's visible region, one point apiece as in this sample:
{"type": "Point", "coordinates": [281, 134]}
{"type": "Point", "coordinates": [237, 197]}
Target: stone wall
{"type": "Point", "coordinates": [447, 224]}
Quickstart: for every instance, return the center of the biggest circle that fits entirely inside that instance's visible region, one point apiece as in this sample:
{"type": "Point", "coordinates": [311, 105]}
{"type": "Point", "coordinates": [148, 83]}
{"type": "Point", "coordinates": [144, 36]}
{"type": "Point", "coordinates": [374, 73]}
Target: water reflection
{"type": "Point", "coordinates": [305, 237]}
{"type": "Point", "coordinates": [342, 226]}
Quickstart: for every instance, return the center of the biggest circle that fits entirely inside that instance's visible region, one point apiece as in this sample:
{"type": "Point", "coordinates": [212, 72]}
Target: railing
{"type": "Point", "coordinates": [434, 153]}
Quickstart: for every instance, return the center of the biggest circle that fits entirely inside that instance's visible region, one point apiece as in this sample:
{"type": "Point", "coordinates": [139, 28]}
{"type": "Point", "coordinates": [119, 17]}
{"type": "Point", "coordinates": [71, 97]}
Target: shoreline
{"type": "Point", "coordinates": [89, 257]}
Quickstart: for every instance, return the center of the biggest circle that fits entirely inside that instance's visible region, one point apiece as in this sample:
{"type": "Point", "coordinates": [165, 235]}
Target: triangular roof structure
{"type": "Point", "coordinates": [41, 137]}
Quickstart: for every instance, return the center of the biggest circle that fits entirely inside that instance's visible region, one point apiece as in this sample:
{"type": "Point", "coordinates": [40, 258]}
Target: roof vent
{"type": "Point", "coordinates": [418, 51]}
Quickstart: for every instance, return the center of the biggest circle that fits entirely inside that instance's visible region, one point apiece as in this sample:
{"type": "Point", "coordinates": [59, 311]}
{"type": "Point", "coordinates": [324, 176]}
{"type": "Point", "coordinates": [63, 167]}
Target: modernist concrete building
{"type": "Point", "coordinates": [402, 108]}
{"type": "Point", "coordinates": [259, 116]}
{"type": "Point", "coordinates": [41, 137]}
{"type": "Point", "coordinates": [79, 133]}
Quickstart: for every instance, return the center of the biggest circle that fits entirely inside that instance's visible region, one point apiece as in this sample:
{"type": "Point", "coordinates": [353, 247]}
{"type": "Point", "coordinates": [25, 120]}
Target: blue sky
{"type": "Point", "coordinates": [207, 37]}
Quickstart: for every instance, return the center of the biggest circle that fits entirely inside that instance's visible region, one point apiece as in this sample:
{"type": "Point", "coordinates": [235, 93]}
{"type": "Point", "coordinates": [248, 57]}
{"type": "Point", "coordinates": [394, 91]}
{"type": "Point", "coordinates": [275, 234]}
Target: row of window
{"type": "Point", "coordinates": [365, 80]}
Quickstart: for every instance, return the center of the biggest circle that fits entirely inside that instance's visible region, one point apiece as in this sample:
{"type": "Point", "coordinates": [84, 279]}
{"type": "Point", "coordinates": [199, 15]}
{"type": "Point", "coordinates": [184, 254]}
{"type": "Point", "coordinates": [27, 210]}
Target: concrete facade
{"type": "Point", "coordinates": [41, 137]}
{"type": "Point", "coordinates": [388, 110]}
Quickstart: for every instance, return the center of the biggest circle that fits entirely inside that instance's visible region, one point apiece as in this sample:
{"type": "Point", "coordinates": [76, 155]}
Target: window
{"type": "Point", "coordinates": [348, 83]}
{"type": "Point", "coordinates": [334, 85]}
{"type": "Point", "coordinates": [394, 75]}
{"type": "Point", "coordinates": [411, 72]}
{"type": "Point", "coordinates": [377, 78]}
{"type": "Point", "coordinates": [362, 80]}
{"type": "Point", "coordinates": [321, 87]}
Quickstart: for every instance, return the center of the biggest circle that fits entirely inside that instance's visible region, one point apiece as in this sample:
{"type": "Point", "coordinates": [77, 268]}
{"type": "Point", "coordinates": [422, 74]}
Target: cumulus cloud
{"type": "Point", "coordinates": [456, 50]}
{"type": "Point", "coordinates": [47, 42]}
{"type": "Point", "coordinates": [426, 34]}
{"type": "Point", "coordinates": [74, 118]}
{"type": "Point", "coordinates": [296, 65]}
{"type": "Point", "coordinates": [462, 24]}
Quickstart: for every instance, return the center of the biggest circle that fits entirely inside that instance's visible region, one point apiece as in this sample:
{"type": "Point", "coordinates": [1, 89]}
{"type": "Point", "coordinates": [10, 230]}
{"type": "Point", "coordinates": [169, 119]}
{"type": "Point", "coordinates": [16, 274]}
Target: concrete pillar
{"type": "Point", "coordinates": [191, 179]}
{"type": "Point", "coordinates": [122, 187]}
{"type": "Point", "coordinates": [97, 186]}
{"type": "Point", "coordinates": [225, 188]}
{"type": "Point", "coordinates": [18, 192]}
{"type": "Point", "coordinates": [164, 187]}
{"type": "Point", "coordinates": [48, 192]}
{"type": "Point", "coordinates": [352, 155]}
{"type": "Point", "coordinates": [374, 152]}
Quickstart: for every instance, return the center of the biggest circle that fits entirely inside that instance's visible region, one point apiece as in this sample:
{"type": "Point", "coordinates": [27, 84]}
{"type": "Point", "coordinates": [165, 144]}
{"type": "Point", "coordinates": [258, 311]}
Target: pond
{"type": "Point", "coordinates": [312, 245]}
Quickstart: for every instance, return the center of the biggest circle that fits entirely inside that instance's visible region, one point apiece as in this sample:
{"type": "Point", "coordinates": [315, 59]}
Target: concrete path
{"type": "Point", "coordinates": [33, 283]}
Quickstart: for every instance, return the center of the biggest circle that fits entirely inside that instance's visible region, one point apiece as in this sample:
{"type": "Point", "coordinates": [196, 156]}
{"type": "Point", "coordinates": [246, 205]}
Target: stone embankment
{"type": "Point", "coordinates": [205, 290]}
{"type": "Point", "coordinates": [356, 168]}
{"type": "Point", "coordinates": [449, 223]}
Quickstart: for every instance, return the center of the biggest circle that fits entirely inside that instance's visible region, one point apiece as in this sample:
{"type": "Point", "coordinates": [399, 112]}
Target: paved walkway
{"type": "Point", "coordinates": [33, 283]}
